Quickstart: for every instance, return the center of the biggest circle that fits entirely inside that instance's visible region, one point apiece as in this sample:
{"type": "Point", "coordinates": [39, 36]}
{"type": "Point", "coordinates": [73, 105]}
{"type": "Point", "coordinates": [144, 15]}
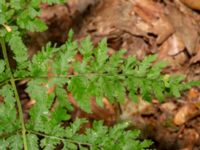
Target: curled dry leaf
{"type": "Point", "coordinates": [185, 113]}
{"type": "Point", "coordinates": [176, 45]}
{"type": "Point", "coordinates": [152, 13]}
{"type": "Point", "coordinates": [194, 4]}
{"type": "Point", "coordinates": [106, 113]}
{"type": "Point", "coordinates": [172, 50]}
{"type": "Point", "coordinates": [186, 27]}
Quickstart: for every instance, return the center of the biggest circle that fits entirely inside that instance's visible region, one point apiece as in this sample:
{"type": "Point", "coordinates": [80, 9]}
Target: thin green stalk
{"type": "Point", "coordinates": [58, 138]}
{"type": "Point", "coordinates": [12, 80]}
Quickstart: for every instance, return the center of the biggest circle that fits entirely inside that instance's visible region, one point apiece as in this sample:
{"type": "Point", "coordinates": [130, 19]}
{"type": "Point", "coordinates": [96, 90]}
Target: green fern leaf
{"type": "Point", "coordinates": [101, 54]}
{"type": "Point", "coordinates": [17, 46]}
{"type": "Point", "coordinates": [3, 144]}
{"type": "Point", "coordinates": [8, 114]}
{"type": "Point", "coordinates": [145, 64]}
{"type": "Point", "coordinates": [78, 86]}
{"type": "Point", "coordinates": [49, 143]}
{"type": "Point", "coordinates": [69, 146]}
{"type": "Point", "coordinates": [32, 141]}
{"type": "Point", "coordinates": [15, 142]}
{"type": "Point", "coordinates": [2, 66]}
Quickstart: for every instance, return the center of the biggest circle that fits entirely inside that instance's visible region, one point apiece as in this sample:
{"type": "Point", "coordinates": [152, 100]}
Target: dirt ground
{"type": "Point", "coordinates": [168, 28]}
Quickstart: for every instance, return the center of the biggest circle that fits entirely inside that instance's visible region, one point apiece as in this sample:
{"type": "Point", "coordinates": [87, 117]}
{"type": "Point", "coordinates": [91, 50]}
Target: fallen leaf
{"type": "Point", "coordinates": [193, 94]}
{"type": "Point", "coordinates": [106, 113]}
{"type": "Point", "coordinates": [153, 14]}
{"type": "Point", "coordinates": [168, 107]}
{"type": "Point", "coordinates": [176, 44]}
{"type": "Point", "coordinates": [130, 108]}
{"type": "Point", "coordinates": [185, 113]}
{"type": "Point", "coordinates": [191, 137]}
{"type": "Point", "coordinates": [194, 4]}
{"type": "Point", "coordinates": [185, 26]}
{"type": "Point", "coordinates": [196, 58]}
{"type": "Point", "coordinates": [80, 5]}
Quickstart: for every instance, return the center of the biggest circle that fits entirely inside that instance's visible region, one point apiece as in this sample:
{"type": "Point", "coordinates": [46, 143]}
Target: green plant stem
{"type": "Point", "coordinates": [62, 139]}
{"type": "Point", "coordinates": [81, 75]}
{"type": "Point", "coordinates": [16, 79]}
{"type": "Point", "coordinates": [12, 80]}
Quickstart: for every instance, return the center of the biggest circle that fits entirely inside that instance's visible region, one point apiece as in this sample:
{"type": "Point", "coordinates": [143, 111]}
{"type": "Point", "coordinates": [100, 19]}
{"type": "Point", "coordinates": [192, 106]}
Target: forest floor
{"type": "Point", "coordinates": [167, 28]}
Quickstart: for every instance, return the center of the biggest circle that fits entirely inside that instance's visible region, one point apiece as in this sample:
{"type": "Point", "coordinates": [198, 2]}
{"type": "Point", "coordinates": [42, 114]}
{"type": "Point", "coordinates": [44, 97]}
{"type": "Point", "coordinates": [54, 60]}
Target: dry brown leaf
{"type": "Point", "coordinates": [168, 107]}
{"type": "Point", "coordinates": [181, 59]}
{"type": "Point", "coordinates": [196, 58]}
{"type": "Point", "coordinates": [172, 50]}
{"type": "Point", "coordinates": [176, 44]}
{"type": "Point", "coordinates": [135, 46]}
{"type": "Point", "coordinates": [80, 5]}
{"type": "Point", "coordinates": [106, 113]}
{"type": "Point", "coordinates": [186, 113]}
{"type": "Point", "coordinates": [130, 108]}
{"type": "Point", "coordinates": [186, 27]}
{"type": "Point", "coordinates": [191, 137]}
{"type": "Point", "coordinates": [1, 99]}
{"type": "Point", "coordinates": [153, 14]}
{"type": "Point", "coordinates": [112, 18]}
{"type": "Point", "coordinates": [194, 4]}
{"type": "Point", "coordinates": [193, 94]}
{"type": "Point", "coordinates": [148, 10]}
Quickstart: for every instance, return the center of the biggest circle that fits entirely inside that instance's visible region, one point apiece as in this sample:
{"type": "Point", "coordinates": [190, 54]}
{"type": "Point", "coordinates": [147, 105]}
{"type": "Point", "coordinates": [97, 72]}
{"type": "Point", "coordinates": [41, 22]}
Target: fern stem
{"type": "Point", "coordinates": [58, 138]}
{"type": "Point", "coordinates": [12, 80]}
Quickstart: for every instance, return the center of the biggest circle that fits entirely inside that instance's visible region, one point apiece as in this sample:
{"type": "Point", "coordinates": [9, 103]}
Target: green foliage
{"type": "Point", "coordinates": [8, 114]}
{"type": "Point", "coordinates": [50, 81]}
{"type": "Point", "coordinates": [16, 18]}
{"type": "Point", "coordinates": [102, 137]}
{"type": "Point", "coordinates": [107, 76]}
{"type": "Point", "coordinates": [15, 142]}
{"type": "Point", "coordinates": [33, 143]}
